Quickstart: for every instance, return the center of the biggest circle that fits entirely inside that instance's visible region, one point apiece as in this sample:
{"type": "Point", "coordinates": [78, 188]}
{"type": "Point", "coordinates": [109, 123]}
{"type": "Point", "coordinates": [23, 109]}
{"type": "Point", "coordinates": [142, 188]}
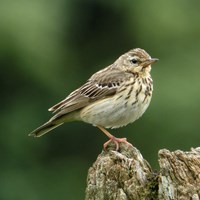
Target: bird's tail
{"type": "Point", "coordinates": [45, 128]}
{"type": "Point", "coordinates": [54, 122]}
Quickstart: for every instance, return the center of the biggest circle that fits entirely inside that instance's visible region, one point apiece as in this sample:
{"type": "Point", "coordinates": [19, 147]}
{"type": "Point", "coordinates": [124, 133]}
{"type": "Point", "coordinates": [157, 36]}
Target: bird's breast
{"type": "Point", "coordinates": [126, 106]}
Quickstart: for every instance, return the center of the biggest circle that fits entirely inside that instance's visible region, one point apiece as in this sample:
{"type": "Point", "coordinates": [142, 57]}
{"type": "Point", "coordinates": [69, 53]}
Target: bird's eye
{"type": "Point", "coordinates": [134, 61]}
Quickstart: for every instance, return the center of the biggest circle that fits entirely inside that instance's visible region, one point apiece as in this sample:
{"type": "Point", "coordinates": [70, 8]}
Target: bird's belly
{"type": "Point", "coordinates": [113, 112]}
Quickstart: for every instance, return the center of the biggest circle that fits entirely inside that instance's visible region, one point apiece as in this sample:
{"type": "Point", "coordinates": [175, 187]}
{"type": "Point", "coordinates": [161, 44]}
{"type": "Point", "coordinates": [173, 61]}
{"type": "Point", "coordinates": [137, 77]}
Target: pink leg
{"type": "Point", "coordinates": [113, 139]}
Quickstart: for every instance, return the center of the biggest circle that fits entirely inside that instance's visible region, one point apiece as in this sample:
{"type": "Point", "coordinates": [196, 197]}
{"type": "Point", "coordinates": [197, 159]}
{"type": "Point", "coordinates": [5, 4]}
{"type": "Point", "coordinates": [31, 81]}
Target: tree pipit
{"type": "Point", "coordinates": [111, 98]}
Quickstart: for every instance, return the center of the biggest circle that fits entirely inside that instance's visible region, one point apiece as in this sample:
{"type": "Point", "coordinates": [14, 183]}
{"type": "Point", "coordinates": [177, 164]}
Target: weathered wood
{"type": "Point", "coordinates": [179, 176]}
{"type": "Point", "coordinates": [126, 175]}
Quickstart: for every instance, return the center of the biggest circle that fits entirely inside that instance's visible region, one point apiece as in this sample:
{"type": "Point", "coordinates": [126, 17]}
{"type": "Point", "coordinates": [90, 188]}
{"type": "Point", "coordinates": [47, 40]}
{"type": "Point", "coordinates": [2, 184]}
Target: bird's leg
{"type": "Point", "coordinates": [113, 139]}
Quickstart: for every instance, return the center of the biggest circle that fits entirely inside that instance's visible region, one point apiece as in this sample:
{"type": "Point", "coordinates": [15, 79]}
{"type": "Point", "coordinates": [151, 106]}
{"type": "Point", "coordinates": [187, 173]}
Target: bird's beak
{"type": "Point", "coordinates": [149, 62]}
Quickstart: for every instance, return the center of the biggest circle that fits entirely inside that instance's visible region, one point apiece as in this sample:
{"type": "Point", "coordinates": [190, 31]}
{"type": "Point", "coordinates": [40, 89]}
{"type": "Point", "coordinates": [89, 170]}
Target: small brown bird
{"type": "Point", "coordinates": [111, 98]}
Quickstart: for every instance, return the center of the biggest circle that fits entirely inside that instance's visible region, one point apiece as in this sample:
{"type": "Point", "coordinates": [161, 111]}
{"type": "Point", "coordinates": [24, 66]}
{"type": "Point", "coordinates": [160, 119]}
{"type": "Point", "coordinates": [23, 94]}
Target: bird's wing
{"type": "Point", "coordinates": [101, 85]}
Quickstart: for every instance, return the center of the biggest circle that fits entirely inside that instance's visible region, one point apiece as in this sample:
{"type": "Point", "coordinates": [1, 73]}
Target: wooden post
{"type": "Point", "coordinates": [126, 175]}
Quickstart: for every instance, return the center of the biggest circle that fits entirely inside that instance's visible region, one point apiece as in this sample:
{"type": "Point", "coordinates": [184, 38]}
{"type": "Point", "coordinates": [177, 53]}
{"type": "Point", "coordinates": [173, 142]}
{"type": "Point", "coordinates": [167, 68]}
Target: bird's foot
{"type": "Point", "coordinates": [116, 141]}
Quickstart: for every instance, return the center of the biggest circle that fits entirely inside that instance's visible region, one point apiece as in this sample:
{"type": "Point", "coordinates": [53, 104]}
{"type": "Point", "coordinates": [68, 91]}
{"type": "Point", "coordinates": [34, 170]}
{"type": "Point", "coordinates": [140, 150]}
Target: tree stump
{"type": "Point", "coordinates": [126, 175]}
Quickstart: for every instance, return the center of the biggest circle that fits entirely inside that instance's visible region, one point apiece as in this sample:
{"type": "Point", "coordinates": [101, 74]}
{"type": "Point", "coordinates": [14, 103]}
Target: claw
{"type": "Point", "coordinates": [113, 139]}
{"type": "Point", "coordinates": [116, 141]}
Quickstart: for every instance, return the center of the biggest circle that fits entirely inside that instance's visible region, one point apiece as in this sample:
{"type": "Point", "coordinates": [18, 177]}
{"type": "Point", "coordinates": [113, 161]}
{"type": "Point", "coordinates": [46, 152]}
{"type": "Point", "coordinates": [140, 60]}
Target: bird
{"type": "Point", "coordinates": [111, 98]}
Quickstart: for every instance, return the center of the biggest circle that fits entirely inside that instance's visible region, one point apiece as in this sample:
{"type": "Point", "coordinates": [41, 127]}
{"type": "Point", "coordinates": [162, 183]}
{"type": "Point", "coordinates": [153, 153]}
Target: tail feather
{"type": "Point", "coordinates": [45, 128]}
{"type": "Point", "coordinates": [54, 122]}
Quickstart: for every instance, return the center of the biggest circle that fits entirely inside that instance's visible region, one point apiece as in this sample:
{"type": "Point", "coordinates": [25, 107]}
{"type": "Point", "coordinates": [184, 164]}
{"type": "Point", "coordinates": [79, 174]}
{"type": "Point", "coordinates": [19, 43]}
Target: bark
{"type": "Point", "coordinates": [126, 175]}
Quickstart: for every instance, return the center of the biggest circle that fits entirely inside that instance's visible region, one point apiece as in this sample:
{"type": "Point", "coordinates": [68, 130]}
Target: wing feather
{"type": "Point", "coordinates": [100, 85]}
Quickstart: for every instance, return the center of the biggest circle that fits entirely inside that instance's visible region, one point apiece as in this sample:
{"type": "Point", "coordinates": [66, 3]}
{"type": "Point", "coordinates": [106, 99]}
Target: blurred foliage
{"type": "Point", "coordinates": [48, 48]}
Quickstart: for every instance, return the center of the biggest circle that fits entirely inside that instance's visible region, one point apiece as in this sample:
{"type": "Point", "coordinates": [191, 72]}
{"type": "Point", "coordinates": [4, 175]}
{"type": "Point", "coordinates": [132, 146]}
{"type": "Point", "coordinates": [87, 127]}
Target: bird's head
{"type": "Point", "coordinates": [135, 61]}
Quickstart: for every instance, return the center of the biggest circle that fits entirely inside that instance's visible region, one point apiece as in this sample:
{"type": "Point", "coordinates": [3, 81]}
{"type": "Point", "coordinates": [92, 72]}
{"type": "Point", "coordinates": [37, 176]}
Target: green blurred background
{"type": "Point", "coordinates": [49, 48]}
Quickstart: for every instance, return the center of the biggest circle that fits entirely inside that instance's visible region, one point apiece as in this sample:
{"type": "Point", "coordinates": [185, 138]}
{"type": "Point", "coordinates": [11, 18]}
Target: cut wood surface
{"type": "Point", "coordinates": [126, 175]}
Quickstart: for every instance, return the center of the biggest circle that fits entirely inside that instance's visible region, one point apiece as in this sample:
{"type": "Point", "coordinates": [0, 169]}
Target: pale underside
{"type": "Point", "coordinates": [118, 110]}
